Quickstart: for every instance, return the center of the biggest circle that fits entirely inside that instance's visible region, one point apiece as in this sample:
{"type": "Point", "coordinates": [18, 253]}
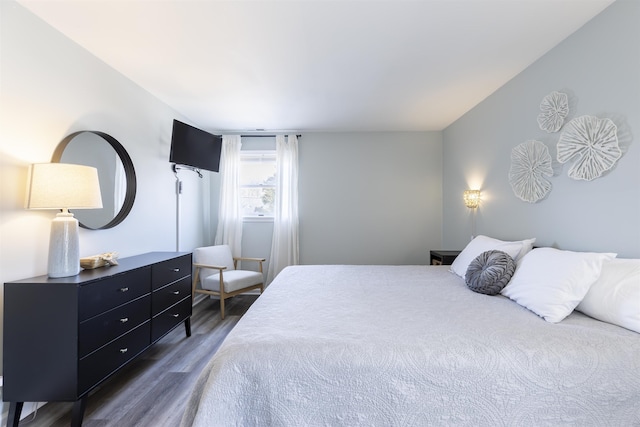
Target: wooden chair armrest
{"type": "Point", "coordinates": [217, 267]}
{"type": "Point", "coordinates": [258, 260]}
{"type": "Point", "coordinates": [249, 259]}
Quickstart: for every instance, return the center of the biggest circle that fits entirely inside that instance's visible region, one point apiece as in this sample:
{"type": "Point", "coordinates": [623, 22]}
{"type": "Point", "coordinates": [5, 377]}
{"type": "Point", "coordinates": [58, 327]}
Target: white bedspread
{"type": "Point", "coordinates": [412, 346]}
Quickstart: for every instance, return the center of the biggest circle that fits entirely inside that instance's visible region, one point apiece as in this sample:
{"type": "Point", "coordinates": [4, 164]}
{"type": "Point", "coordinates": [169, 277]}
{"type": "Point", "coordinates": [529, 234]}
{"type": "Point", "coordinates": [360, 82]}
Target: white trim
{"type": "Point", "coordinates": [257, 219]}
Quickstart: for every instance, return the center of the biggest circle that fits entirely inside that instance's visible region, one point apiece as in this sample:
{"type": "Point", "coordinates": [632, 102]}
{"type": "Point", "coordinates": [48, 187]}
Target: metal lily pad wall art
{"type": "Point", "coordinates": [593, 142]}
{"type": "Point", "coordinates": [530, 163]}
{"type": "Point", "coordinates": [554, 109]}
{"type": "Point", "coordinates": [589, 142]}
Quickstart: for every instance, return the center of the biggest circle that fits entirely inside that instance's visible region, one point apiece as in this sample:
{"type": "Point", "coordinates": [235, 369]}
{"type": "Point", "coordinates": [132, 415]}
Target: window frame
{"type": "Point", "coordinates": [244, 156]}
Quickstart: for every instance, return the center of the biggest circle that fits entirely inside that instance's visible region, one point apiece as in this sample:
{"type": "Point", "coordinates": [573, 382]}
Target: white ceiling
{"type": "Point", "coordinates": [318, 65]}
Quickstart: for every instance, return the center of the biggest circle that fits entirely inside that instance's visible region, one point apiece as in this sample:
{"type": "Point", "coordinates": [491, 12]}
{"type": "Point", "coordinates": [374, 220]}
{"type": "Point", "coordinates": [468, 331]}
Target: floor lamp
{"type": "Point", "coordinates": [176, 168]}
{"type": "Point", "coordinates": [63, 186]}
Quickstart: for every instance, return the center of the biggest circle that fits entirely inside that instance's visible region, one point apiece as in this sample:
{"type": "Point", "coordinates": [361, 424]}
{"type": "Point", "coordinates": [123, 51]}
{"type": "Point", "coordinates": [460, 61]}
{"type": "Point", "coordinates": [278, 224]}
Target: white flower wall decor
{"type": "Point", "coordinates": [593, 142]}
{"type": "Point", "coordinates": [530, 163]}
{"type": "Point", "coordinates": [554, 109]}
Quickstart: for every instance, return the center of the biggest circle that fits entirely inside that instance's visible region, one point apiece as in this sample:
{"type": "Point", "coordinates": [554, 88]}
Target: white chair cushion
{"type": "Point", "coordinates": [213, 255]}
{"type": "Point", "coordinates": [233, 280]}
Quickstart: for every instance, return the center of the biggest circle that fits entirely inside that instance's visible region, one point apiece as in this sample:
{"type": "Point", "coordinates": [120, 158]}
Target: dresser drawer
{"type": "Point", "coordinates": [169, 271]}
{"type": "Point", "coordinates": [100, 364]}
{"type": "Point", "coordinates": [98, 297]}
{"type": "Point", "coordinates": [164, 298]}
{"type": "Point", "coordinates": [168, 319]}
{"type": "Point", "coordinates": [102, 329]}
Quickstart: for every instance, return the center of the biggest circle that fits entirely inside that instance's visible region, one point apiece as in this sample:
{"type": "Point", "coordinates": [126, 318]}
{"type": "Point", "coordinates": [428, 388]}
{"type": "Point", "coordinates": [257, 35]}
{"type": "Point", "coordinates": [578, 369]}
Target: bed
{"type": "Point", "coordinates": [348, 345]}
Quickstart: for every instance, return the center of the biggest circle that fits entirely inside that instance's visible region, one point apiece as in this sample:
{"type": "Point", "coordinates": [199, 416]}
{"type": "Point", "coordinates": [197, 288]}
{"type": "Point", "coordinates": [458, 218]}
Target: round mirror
{"type": "Point", "coordinates": [115, 173]}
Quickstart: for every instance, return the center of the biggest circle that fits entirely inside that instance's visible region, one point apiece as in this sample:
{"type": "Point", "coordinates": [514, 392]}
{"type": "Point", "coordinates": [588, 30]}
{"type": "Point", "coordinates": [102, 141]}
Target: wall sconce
{"type": "Point", "coordinates": [472, 198]}
{"type": "Point", "coordinates": [63, 186]}
{"type": "Point", "coordinates": [472, 201]}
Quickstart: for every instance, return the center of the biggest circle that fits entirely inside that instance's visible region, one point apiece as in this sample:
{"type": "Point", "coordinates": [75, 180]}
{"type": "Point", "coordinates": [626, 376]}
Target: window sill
{"type": "Point", "coordinates": [257, 219]}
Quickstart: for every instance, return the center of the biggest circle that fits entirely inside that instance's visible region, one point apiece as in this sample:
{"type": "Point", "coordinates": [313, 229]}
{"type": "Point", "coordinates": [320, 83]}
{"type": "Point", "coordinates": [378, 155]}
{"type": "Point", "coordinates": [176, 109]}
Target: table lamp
{"type": "Point", "coordinates": [63, 186]}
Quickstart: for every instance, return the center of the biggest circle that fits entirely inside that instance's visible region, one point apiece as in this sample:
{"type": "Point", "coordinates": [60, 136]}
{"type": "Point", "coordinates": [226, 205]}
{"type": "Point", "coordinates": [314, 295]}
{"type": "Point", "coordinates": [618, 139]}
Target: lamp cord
{"type": "Point", "coordinates": [175, 168]}
{"type": "Point", "coordinates": [178, 192]}
{"type": "Point", "coordinates": [473, 223]}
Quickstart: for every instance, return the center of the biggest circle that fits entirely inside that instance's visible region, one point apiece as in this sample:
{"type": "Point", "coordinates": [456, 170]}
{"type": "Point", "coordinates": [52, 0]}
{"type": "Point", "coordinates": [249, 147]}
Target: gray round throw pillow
{"type": "Point", "coordinates": [489, 272]}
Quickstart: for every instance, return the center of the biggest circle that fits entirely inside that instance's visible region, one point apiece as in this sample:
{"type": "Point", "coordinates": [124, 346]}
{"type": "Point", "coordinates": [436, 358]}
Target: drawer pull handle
{"type": "Point", "coordinates": [124, 320]}
{"type": "Point", "coordinates": [124, 350]}
{"type": "Point", "coordinates": [176, 270]}
{"type": "Point", "coordinates": [176, 315]}
{"type": "Point", "coordinates": [125, 289]}
{"type": "Point", "coordinates": [176, 292]}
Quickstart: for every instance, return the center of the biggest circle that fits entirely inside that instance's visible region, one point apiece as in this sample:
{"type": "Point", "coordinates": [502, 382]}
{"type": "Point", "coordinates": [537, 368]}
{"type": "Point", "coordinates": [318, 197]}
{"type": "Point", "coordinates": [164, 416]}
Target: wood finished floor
{"type": "Point", "coordinates": [152, 391]}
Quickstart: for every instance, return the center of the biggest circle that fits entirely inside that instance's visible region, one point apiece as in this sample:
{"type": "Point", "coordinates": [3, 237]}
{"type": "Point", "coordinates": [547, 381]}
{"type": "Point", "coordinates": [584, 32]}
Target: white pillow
{"type": "Point", "coordinates": [551, 282]}
{"type": "Point", "coordinates": [615, 296]}
{"type": "Point", "coordinates": [482, 244]}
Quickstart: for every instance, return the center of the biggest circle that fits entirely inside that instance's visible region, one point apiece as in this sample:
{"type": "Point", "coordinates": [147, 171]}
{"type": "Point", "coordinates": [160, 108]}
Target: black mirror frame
{"type": "Point", "coordinates": [130, 174]}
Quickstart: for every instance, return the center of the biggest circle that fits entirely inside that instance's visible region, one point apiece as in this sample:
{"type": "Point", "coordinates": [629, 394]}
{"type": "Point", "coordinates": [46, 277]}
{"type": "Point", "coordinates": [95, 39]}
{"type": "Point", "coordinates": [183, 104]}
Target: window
{"type": "Point", "coordinates": [257, 183]}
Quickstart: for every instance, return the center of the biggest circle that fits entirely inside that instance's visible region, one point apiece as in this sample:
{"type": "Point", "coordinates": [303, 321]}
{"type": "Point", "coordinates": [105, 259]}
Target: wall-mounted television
{"type": "Point", "coordinates": [194, 147]}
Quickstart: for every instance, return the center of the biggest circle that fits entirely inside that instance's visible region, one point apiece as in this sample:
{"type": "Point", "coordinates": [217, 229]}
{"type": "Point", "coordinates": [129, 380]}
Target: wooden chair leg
{"type": "Point", "coordinates": [222, 295]}
{"type": "Point", "coordinates": [194, 283]}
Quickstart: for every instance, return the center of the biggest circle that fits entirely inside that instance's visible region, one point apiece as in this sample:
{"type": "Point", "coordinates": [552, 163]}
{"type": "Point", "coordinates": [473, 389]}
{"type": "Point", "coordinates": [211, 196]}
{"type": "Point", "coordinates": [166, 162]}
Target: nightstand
{"type": "Point", "coordinates": [443, 257]}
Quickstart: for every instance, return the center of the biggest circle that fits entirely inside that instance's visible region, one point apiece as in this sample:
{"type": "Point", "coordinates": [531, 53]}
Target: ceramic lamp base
{"type": "Point", "coordinates": [64, 246]}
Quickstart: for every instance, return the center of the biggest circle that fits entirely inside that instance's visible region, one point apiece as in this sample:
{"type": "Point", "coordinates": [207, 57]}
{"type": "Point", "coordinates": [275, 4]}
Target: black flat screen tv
{"type": "Point", "coordinates": [194, 147]}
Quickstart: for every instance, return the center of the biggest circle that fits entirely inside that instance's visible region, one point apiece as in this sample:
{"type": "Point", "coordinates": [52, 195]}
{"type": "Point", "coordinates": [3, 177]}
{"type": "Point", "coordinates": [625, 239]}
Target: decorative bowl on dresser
{"type": "Point", "coordinates": [63, 337]}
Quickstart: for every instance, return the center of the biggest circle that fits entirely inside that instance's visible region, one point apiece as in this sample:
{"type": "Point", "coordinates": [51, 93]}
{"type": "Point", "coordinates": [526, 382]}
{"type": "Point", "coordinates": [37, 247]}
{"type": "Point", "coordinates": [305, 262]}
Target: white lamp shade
{"type": "Point", "coordinates": [63, 186]}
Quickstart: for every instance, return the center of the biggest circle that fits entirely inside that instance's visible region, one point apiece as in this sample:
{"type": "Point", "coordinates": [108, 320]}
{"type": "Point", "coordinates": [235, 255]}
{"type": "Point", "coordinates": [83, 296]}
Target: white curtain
{"type": "Point", "coordinates": [284, 245]}
{"type": "Point", "coordinates": [229, 230]}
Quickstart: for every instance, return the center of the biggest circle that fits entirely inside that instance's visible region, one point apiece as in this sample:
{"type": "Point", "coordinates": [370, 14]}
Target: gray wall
{"type": "Point", "coordinates": [370, 198]}
{"type": "Point", "coordinates": [364, 198]}
{"type": "Point", "coordinates": [51, 87]}
{"type": "Point", "coordinates": [599, 67]}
